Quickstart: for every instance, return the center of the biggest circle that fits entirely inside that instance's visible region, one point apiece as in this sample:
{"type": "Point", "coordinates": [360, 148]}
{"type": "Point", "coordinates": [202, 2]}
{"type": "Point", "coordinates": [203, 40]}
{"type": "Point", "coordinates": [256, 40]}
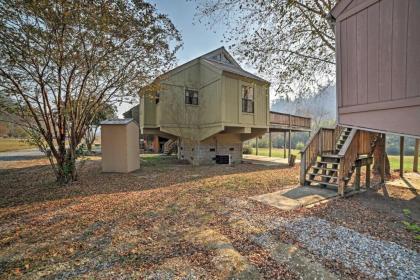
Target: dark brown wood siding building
{"type": "Point", "coordinates": [378, 64]}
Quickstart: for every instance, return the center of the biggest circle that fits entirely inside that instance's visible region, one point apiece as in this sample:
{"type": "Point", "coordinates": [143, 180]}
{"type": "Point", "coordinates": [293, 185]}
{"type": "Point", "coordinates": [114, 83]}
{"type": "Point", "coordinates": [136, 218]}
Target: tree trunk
{"type": "Point", "coordinates": [378, 157]}
{"type": "Point", "coordinates": [66, 167]}
{"type": "Point", "coordinates": [89, 146]}
{"type": "Point", "coordinates": [90, 137]}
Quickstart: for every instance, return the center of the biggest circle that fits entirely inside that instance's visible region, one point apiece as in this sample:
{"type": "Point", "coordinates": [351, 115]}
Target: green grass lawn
{"type": "Point", "coordinates": [11, 144]}
{"type": "Point", "coordinates": [275, 152]}
{"type": "Point", "coordinates": [394, 161]}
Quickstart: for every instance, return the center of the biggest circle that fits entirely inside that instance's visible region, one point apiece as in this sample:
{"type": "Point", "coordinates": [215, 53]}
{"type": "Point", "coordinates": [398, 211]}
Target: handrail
{"type": "Point", "coordinates": [348, 155]}
{"type": "Point", "coordinates": [310, 140]}
{"type": "Point", "coordinates": [285, 114]}
{"type": "Point", "coordinates": [348, 142]}
{"type": "Point", "coordinates": [289, 120]}
{"type": "Point", "coordinates": [322, 141]}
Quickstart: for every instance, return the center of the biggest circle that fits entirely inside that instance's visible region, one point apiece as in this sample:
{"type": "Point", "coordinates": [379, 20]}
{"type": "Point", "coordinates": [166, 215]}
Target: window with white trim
{"type": "Point", "coordinates": [247, 99]}
{"type": "Point", "coordinates": [191, 96]}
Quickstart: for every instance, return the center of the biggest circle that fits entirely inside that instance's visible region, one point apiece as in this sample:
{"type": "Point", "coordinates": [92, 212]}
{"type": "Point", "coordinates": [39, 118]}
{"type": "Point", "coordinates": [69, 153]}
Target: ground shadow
{"type": "Point", "coordinates": [32, 184]}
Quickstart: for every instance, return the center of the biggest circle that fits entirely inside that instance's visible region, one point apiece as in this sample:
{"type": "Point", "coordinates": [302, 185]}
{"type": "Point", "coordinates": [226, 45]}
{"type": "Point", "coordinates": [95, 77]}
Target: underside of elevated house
{"type": "Point", "coordinates": [378, 92]}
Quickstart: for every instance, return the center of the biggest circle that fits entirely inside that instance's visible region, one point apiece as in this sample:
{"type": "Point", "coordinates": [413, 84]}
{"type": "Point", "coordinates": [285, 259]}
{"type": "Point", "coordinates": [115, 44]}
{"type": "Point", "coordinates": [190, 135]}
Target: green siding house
{"type": "Point", "coordinates": [208, 106]}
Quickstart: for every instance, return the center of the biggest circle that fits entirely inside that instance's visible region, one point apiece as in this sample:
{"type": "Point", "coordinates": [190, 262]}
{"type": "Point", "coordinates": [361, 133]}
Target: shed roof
{"type": "Point", "coordinates": [116, 122]}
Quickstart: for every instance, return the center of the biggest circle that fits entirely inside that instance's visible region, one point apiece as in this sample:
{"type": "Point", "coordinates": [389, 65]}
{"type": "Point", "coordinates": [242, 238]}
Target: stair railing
{"type": "Point", "coordinates": [167, 146]}
{"type": "Point", "coordinates": [322, 141]}
{"type": "Point", "coordinates": [337, 132]}
{"type": "Point", "coordinates": [348, 155]}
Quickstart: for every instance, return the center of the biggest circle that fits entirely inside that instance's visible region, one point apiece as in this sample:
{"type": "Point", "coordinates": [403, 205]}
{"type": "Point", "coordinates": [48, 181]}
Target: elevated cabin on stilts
{"type": "Point", "coordinates": [206, 108]}
{"type": "Point", "coordinates": [378, 90]}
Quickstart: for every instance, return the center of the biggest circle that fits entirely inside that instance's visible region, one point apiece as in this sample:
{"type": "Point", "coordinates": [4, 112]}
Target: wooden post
{"type": "Point", "coordinates": [269, 144]}
{"type": "Point", "coordinates": [383, 160]}
{"type": "Point", "coordinates": [341, 184]}
{"type": "Point", "coordinates": [302, 168]}
{"type": "Point", "coordinates": [368, 176]}
{"type": "Point", "coordinates": [357, 179]}
{"type": "Point", "coordinates": [256, 146]}
{"type": "Point", "coordinates": [284, 145]}
{"type": "Point", "coordinates": [416, 156]}
{"type": "Point", "coordinates": [401, 156]}
{"type": "Point", "coordinates": [290, 142]}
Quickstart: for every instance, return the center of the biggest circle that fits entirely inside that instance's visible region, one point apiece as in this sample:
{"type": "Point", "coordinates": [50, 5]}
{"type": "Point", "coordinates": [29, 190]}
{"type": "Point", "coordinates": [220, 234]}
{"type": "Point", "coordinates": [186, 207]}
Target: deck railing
{"type": "Point", "coordinates": [290, 120]}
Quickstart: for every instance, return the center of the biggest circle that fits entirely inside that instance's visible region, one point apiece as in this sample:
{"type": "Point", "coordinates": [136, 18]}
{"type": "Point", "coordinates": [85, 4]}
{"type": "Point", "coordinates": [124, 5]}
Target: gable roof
{"type": "Point", "coordinates": [222, 60]}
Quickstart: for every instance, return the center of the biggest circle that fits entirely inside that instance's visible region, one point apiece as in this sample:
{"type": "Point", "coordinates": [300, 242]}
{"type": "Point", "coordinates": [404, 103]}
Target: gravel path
{"type": "Point", "coordinates": [376, 258]}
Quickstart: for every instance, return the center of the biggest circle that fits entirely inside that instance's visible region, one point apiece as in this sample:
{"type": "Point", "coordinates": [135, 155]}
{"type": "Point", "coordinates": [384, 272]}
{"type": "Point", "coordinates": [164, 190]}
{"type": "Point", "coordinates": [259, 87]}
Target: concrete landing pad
{"type": "Point", "coordinates": [295, 197]}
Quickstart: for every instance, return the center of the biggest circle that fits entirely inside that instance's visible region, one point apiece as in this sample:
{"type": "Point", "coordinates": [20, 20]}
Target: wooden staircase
{"type": "Point", "coordinates": [170, 146]}
{"type": "Point", "coordinates": [325, 170]}
{"type": "Point", "coordinates": [332, 154]}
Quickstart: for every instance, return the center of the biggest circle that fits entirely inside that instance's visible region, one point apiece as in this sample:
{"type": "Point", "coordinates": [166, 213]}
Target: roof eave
{"type": "Point", "coordinates": [339, 8]}
{"type": "Point", "coordinates": [252, 78]}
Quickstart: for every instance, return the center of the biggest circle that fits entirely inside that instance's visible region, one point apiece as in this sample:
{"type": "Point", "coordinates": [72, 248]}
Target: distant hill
{"type": "Point", "coordinates": [321, 107]}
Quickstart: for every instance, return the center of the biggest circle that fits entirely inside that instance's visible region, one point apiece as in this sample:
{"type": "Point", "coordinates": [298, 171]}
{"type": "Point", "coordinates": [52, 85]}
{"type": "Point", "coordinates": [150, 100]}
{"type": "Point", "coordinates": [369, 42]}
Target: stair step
{"type": "Point", "coordinates": [323, 175]}
{"type": "Point", "coordinates": [328, 162]}
{"type": "Point", "coordinates": [322, 183]}
{"type": "Point", "coordinates": [325, 168]}
{"type": "Point", "coordinates": [330, 156]}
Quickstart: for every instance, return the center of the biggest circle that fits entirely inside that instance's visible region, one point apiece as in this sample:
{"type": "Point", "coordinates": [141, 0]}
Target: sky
{"type": "Point", "coordinates": [197, 38]}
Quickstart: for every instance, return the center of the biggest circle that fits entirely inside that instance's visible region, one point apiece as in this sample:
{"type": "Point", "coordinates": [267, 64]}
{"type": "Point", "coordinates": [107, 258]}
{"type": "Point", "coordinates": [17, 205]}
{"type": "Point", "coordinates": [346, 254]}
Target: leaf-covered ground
{"type": "Point", "coordinates": [170, 220]}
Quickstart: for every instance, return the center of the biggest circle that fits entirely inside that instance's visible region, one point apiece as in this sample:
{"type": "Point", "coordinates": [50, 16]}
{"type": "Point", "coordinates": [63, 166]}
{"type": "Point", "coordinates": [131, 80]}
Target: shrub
{"type": "Point", "coordinates": [300, 146]}
{"type": "Point", "coordinates": [247, 150]}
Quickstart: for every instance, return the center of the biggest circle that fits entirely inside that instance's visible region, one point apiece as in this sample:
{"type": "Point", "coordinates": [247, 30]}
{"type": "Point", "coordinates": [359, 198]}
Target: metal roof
{"type": "Point", "coordinates": [116, 122]}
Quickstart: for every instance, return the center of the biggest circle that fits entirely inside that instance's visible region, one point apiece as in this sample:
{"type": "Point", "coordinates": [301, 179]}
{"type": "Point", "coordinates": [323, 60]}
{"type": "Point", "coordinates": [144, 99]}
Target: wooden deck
{"type": "Point", "coordinates": [280, 122]}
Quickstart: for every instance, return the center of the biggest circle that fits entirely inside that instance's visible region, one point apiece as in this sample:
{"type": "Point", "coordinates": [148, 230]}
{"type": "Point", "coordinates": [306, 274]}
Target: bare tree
{"type": "Point", "coordinates": [291, 42]}
{"type": "Point", "coordinates": [62, 60]}
{"type": "Point", "coordinates": [106, 112]}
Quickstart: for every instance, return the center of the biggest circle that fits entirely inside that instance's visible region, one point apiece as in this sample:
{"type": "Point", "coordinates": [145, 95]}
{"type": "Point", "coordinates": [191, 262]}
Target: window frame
{"type": "Point", "coordinates": [248, 102]}
{"type": "Point", "coordinates": [191, 100]}
{"type": "Point", "coordinates": [157, 98]}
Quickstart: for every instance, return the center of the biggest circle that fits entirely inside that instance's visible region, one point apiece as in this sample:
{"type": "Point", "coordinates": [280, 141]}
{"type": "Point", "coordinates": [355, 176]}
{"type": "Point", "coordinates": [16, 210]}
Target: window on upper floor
{"type": "Point", "coordinates": [157, 97]}
{"type": "Point", "coordinates": [247, 99]}
{"type": "Point", "coordinates": [191, 96]}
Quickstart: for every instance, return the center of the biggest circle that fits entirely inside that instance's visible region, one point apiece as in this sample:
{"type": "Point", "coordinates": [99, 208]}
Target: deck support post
{"type": "Point", "coordinates": [368, 176]}
{"type": "Point", "coordinates": [302, 168]}
{"type": "Point", "coordinates": [383, 160]}
{"type": "Point", "coordinates": [341, 186]}
{"type": "Point", "coordinates": [256, 146]}
{"type": "Point", "coordinates": [269, 144]}
{"type": "Point", "coordinates": [284, 144]}
{"type": "Point", "coordinates": [357, 179]}
{"type": "Point", "coordinates": [290, 142]}
{"type": "Point", "coordinates": [416, 156]}
{"type": "Point", "coordinates": [401, 156]}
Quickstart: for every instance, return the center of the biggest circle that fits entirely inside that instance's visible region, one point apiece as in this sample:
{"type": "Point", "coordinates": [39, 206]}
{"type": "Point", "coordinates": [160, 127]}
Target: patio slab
{"type": "Point", "coordinates": [295, 197]}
